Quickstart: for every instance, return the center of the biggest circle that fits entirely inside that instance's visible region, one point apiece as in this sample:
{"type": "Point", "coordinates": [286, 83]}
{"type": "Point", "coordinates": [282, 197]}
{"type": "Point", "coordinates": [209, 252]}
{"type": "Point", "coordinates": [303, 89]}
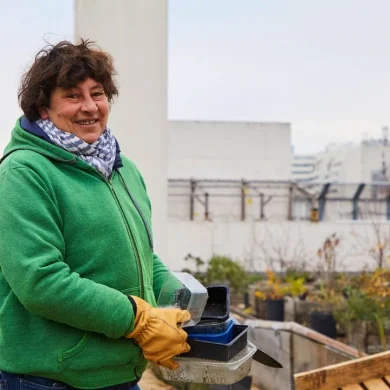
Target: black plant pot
{"type": "Point", "coordinates": [323, 323]}
{"type": "Point", "coordinates": [275, 309]}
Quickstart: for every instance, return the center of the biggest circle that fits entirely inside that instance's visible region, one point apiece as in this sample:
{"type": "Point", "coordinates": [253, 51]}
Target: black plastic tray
{"type": "Point", "coordinates": [217, 351]}
{"type": "Point", "coordinates": [218, 304]}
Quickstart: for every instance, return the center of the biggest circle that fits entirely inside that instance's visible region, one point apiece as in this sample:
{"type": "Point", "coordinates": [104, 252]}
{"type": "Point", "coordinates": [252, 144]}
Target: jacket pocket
{"type": "Point", "coordinates": [95, 351]}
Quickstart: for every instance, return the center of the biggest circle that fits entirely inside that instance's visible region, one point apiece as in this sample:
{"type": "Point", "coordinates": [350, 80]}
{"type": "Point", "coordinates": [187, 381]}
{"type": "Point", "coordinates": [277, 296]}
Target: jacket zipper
{"type": "Point", "coordinates": [148, 230]}
{"type": "Point", "coordinates": [130, 233]}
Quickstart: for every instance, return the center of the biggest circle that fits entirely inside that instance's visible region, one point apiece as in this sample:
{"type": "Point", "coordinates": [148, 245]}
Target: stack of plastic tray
{"type": "Point", "coordinates": [212, 372]}
{"type": "Point", "coordinates": [216, 337]}
{"type": "Point", "coordinates": [220, 352]}
{"type": "Point", "coordinates": [223, 350]}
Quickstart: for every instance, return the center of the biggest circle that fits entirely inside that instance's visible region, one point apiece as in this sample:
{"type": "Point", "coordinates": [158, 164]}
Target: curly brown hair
{"type": "Point", "coordinates": [64, 65]}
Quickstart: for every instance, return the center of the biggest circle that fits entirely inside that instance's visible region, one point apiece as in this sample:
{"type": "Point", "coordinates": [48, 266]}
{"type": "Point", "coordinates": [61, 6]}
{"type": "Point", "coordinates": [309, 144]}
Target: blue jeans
{"type": "Point", "coordinates": [10, 381]}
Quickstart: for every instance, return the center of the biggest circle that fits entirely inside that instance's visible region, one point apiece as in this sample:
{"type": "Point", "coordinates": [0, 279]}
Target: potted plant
{"type": "Point", "coordinates": [273, 296]}
{"type": "Point", "coordinates": [321, 318]}
{"type": "Point", "coordinates": [367, 309]}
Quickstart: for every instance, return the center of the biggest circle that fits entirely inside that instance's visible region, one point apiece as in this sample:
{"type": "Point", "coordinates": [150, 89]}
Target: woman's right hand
{"type": "Point", "coordinates": [158, 332]}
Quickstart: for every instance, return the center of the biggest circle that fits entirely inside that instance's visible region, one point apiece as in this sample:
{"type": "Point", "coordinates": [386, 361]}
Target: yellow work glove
{"type": "Point", "coordinates": [158, 332]}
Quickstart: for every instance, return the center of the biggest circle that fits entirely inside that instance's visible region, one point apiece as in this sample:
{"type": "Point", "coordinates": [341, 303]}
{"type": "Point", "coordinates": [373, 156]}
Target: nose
{"type": "Point", "coordinates": [88, 105]}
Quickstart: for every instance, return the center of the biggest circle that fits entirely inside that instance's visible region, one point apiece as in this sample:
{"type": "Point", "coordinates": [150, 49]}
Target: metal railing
{"type": "Point", "coordinates": [318, 200]}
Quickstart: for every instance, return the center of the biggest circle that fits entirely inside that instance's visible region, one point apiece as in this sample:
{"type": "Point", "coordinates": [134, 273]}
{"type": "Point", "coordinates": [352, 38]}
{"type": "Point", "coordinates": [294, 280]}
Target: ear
{"type": "Point", "coordinates": [43, 112]}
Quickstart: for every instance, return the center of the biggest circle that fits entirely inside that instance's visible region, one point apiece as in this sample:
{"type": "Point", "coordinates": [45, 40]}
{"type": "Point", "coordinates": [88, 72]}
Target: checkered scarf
{"type": "Point", "coordinates": [100, 154]}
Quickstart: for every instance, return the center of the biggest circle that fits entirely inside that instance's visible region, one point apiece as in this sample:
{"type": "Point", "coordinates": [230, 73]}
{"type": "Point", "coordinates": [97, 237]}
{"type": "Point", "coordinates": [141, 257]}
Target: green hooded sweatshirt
{"type": "Point", "coordinates": [73, 245]}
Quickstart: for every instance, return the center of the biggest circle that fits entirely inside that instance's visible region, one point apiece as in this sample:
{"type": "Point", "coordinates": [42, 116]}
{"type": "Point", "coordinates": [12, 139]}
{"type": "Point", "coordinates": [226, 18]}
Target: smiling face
{"type": "Point", "coordinates": [82, 110]}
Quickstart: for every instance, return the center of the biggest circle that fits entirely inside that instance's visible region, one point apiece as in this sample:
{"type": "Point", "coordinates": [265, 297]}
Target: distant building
{"type": "Point", "coordinates": [304, 168]}
{"type": "Point", "coordinates": [355, 172]}
{"type": "Point", "coordinates": [367, 162]}
{"type": "Point", "coordinates": [229, 150]}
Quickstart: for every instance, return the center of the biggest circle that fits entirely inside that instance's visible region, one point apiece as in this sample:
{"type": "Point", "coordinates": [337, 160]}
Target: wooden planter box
{"type": "Point", "coordinates": [371, 372]}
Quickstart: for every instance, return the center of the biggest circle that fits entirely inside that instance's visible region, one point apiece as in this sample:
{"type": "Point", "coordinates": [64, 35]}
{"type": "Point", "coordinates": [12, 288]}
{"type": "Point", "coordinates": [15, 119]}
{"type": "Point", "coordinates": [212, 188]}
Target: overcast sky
{"type": "Point", "coordinates": [323, 66]}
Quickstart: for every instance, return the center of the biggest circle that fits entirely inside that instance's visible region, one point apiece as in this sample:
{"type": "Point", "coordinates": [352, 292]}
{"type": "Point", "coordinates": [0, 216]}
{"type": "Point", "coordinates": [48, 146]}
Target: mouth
{"type": "Point", "coordinates": [87, 122]}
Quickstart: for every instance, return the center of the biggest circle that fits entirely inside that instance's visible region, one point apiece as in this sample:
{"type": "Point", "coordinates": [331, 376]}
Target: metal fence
{"type": "Point", "coordinates": [208, 199]}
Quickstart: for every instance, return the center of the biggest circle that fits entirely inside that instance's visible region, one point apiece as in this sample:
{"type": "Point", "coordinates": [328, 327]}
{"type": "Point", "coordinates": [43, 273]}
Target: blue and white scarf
{"type": "Point", "coordinates": [100, 154]}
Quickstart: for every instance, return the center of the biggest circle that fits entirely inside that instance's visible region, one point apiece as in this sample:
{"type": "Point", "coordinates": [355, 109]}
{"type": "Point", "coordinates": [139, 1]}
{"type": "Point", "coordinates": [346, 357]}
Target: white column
{"type": "Point", "coordinates": [134, 32]}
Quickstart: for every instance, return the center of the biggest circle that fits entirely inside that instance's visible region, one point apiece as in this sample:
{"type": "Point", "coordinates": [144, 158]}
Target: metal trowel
{"type": "Point", "coordinates": [263, 358]}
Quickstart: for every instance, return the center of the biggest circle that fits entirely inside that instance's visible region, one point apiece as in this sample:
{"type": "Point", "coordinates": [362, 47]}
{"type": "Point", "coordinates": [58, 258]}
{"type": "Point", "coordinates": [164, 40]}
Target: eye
{"type": "Point", "coordinates": [72, 96]}
{"type": "Point", "coordinates": [97, 93]}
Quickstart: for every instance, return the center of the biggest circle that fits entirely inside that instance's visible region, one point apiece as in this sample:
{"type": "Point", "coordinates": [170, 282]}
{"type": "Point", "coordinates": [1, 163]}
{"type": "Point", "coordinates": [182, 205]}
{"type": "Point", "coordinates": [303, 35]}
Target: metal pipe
{"type": "Point", "coordinates": [206, 206]}
{"type": "Point", "coordinates": [229, 196]}
{"type": "Point", "coordinates": [192, 200]}
{"type": "Point", "coordinates": [243, 189]}
{"type": "Point", "coordinates": [290, 203]}
{"type": "Point", "coordinates": [355, 202]}
{"type": "Point", "coordinates": [322, 200]}
{"type": "Point", "coordinates": [261, 207]}
{"type": "Point", "coordinates": [285, 182]}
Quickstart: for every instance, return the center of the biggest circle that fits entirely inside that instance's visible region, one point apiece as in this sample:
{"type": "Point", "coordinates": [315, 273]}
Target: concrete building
{"type": "Point", "coordinates": [304, 168]}
{"type": "Point", "coordinates": [348, 163]}
{"type": "Point", "coordinates": [137, 39]}
{"type": "Point", "coordinates": [330, 162]}
{"type": "Point", "coordinates": [229, 150]}
{"type": "Point", "coordinates": [211, 163]}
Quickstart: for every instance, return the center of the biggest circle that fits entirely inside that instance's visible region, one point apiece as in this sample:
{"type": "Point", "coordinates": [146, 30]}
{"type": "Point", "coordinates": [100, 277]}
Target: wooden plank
{"type": "Point", "coordinates": [346, 373]}
{"type": "Point", "coordinates": [352, 387]}
{"type": "Point", "coordinates": [387, 377]}
{"type": "Point", "coordinates": [376, 384]}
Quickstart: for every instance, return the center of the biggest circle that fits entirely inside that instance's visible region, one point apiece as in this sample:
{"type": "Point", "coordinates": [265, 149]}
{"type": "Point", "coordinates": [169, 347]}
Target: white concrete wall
{"type": "Point", "coordinates": [135, 34]}
{"type": "Point", "coordinates": [351, 169]}
{"type": "Point", "coordinates": [372, 157]}
{"type": "Point", "coordinates": [230, 150]}
{"type": "Point", "coordinates": [261, 244]}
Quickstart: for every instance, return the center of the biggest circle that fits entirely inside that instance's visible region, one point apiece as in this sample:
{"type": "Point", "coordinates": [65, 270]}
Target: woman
{"type": "Point", "coordinates": [79, 278]}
